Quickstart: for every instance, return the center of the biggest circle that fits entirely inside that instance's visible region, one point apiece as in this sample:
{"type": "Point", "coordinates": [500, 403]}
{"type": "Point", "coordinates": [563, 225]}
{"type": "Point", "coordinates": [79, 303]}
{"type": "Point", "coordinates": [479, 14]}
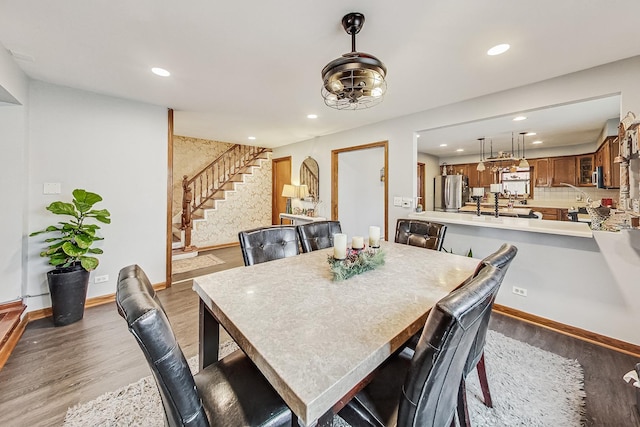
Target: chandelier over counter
{"type": "Point", "coordinates": [356, 79]}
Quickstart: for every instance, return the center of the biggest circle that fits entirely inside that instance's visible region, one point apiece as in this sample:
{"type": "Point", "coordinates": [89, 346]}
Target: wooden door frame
{"type": "Point", "coordinates": [169, 243]}
{"type": "Point", "coordinates": [274, 193]}
{"type": "Point", "coordinates": [334, 179]}
{"type": "Point", "coordinates": [423, 193]}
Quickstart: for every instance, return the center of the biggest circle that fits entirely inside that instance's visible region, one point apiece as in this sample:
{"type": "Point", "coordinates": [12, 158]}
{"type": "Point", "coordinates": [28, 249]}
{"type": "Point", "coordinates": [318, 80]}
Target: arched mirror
{"type": "Point", "coordinates": [309, 176]}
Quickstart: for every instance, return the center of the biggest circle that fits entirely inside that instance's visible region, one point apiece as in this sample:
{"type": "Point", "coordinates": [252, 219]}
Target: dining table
{"type": "Point", "coordinates": [318, 341]}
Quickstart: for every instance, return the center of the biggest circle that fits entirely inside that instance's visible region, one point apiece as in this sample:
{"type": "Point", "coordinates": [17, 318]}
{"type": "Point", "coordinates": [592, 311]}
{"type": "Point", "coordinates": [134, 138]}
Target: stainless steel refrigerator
{"type": "Point", "coordinates": [451, 192]}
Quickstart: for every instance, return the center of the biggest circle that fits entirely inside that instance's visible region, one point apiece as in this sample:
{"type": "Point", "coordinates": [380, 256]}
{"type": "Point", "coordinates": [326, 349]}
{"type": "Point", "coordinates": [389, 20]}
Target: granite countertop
{"type": "Point", "coordinates": [559, 204]}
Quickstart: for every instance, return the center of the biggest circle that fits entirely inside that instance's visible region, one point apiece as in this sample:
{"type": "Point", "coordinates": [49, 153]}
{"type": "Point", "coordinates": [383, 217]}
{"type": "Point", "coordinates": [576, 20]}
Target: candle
{"type": "Point", "coordinates": [496, 188]}
{"type": "Point", "coordinates": [339, 246]}
{"type": "Point", "coordinates": [374, 236]}
{"type": "Point", "coordinates": [357, 242]}
{"type": "Point", "coordinates": [478, 191]}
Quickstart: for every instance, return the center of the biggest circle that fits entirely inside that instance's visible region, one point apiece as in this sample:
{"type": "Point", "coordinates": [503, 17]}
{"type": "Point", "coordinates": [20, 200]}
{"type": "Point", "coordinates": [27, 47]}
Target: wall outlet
{"type": "Point", "coordinates": [101, 279]}
{"type": "Point", "coordinates": [520, 291]}
{"type": "Point", "coordinates": [406, 202]}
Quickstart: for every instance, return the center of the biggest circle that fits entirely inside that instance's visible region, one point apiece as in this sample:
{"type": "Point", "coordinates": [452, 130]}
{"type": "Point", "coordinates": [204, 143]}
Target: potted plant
{"type": "Point", "coordinates": [71, 253]}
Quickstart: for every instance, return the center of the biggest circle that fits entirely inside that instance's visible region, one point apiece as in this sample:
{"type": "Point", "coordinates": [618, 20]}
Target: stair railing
{"type": "Point", "coordinates": [212, 179]}
{"type": "Point", "coordinates": [307, 176]}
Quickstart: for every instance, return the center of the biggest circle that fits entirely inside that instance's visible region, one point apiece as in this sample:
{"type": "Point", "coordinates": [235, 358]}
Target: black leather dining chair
{"type": "Point", "coordinates": [317, 235]}
{"type": "Point", "coordinates": [230, 392]}
{"type": "Point", "coordinates": [500, 259]}
{"type": "Point", "coordinates": [424, 234]}
{"type": "Point", "coordinates": [423, 390]}
{"type": "Point", "coordinates": [268, 243]}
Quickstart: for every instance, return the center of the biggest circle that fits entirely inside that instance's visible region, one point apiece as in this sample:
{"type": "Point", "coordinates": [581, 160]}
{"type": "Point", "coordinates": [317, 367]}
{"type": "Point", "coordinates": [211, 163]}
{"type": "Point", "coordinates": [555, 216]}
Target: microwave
{"type": "Point", "coordinates": [597, 178]}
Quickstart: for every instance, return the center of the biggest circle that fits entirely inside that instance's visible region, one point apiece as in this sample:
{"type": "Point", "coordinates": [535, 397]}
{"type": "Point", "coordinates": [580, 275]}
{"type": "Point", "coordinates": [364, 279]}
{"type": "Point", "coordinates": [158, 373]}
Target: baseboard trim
{"type": "Point", "coordinates": [91, 302]}
{"type": "Point", "coordinates": [222, 246]}
{"type": "Point", "coordinates": [572, 331]}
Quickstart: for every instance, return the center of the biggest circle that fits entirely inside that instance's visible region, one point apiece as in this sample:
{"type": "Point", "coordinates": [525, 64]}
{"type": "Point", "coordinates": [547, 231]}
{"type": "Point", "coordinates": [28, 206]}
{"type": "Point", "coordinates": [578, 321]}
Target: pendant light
{"type": "Point", "coordinates": [513, 167]}
{"type": "Point", "coordinates": [523, 162]}
{"type": "Point", "coordinates": [480, 166]}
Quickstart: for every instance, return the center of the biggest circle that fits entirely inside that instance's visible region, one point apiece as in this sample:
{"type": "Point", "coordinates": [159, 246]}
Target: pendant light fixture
{"type": "Point", "coordinates": [480, 166]}
{"type": "Point", "coordinates": [356, 79]}
{"type": "Point", "coordinates": [523, 162]}
{"type": "Point", "coordinates": [513, 167]}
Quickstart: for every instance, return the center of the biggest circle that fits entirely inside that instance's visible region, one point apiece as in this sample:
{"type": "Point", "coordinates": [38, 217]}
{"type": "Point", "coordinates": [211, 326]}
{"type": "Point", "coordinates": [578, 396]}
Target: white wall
{"type": "Point", "coordinates": [432, 168]}
{"type": "Point", "coordinates": [111, 146]}
{"type": "Point", "coordinates": [13, 175]}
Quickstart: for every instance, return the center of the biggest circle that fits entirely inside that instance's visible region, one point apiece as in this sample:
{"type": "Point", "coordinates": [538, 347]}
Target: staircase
{"type": "Point", "coordinates": [210, 186]}
{"type": "Point", "coordinates": [9, 330]}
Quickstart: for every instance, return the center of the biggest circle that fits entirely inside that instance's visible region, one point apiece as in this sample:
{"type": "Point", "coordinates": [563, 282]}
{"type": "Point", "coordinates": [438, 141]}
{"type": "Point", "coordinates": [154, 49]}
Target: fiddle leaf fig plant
{"type": "Point", "coordinates": [73, 238]}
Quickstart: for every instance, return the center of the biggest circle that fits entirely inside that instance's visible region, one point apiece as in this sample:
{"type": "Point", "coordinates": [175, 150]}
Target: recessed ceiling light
{"type": "Point", "coordinates": [498, 49]}
{"type": "Point", "coordinates": [530, 133]}
{"type": "Point", "coordinates": [443, 145]}
{"type": "Point", "coordinates": [252, 138]}
{"type": "Point", "coordinates": [537, 142]}
{"type": "Point", "coordinates": [160, 72]}
{"type": "Point", "coordinates": [460, 149]}
{"type": "Point", "coordinates": [418, 136]}
{"type": "Point", "coordinates": [519, 118]}
{"type": "Point", "coordinates": [312, 116]}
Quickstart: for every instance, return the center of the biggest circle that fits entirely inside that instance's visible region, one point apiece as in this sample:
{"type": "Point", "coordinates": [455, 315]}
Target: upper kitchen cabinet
{"type": "Point", "coordinates": [563, 171]}
{"type": "Point", "coordinates": [604, 157]}
{"type": "Point", "coordinates": [542, 173]}
{"type": "Point", "coordinates": [585, 167]}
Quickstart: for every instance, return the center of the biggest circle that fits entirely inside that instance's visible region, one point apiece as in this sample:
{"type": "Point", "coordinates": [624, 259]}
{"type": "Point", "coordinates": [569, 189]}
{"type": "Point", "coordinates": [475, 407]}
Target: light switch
{"type": "Point", "coordinates": [397, 201]}
{"type": "Point", "coordinates": [51, 188]}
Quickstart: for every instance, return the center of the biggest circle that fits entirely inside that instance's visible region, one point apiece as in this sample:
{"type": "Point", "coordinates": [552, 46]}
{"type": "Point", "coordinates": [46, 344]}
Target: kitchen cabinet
{"type": "Point", "coordinates": [563, 170]}
{"type": "Point", "coordinates": [585, 167]}
{"type": "Point", "coordinates": [547, 213]}
{"type": "Point", "coordinates": [542, 173]}
{"type": "Point", "coordinates": [604, 157]}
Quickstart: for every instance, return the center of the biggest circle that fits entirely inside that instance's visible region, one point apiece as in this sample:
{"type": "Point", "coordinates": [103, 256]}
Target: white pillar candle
{"type": "Point", "coordinates": [374, 236]}
{"type": "Point", "coordinates": [357, 242]}
{"type": "Point", "coordinates": [339, 246]}
{"type": "Point", "coordinates": [478, 191]}
{"type": "Point", "coordinates": [496, 188]}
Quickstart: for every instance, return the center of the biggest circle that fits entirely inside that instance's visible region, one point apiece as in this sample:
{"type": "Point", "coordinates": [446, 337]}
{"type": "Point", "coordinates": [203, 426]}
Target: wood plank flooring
{"type": "Point", "coordinates": [52, 368]}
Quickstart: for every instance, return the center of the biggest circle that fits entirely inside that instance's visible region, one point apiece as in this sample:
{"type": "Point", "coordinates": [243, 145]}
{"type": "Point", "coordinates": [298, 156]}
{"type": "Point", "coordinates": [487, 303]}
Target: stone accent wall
{"type": "Point", "coordinates": [247, 207]}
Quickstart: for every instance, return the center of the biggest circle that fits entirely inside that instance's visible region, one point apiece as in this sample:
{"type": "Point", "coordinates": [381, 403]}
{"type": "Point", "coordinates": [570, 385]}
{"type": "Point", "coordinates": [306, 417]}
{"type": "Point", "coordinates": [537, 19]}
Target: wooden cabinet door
{"type": "Point", "coordinates": [474, 175]}
{"type": "Point", "coordinates": [563, 170]}
{"type": "Point", "coordinates": [541, 173]}
{"type": "Point", "coordinates": [486, 177]}
{"type": "Point", "coordinates": [614, 149]}
{"type": "Point", "coordinates": [584, 166]}
{"type": "Point", "coordinates": [606, 164]}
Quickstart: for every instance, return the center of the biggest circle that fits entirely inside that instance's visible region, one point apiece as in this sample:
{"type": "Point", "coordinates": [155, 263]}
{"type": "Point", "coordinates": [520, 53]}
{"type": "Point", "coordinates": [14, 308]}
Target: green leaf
{"type": "Point", "coordinates": [89, 263]}
{"type": "Point", "coordinates": [62, 208]}
{"type": "Point", "coordinates": [72, 250]}
{"type": "Point", "coordinates": [95, 251]}
{"type": "Point", "coordinates": [83, 241]}
{"type": "Point", "coordinates": [83, 196]}
{"type": "Point", "coordinates": [56, 261]}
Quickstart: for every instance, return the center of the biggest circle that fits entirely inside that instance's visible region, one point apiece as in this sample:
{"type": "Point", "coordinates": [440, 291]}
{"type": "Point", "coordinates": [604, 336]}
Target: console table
{"type": "Point", "coordinates": [300, 219]}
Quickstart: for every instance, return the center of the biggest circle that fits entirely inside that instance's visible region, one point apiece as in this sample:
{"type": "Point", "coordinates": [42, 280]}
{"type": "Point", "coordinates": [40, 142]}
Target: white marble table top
{"type": "Point", "coordinates": [315, 339]}
{"type": "Point", "coordinates": [301, 219]}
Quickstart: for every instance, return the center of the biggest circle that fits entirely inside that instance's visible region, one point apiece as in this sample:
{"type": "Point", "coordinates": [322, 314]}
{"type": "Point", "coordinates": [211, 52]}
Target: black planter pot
{"type": "Point", "coordinates": [68, 288]}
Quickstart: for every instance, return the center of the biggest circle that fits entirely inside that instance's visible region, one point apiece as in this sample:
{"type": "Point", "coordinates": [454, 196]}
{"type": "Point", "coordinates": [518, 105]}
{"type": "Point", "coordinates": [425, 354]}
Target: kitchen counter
{"type": "Point", "coordinates": [563, 228]}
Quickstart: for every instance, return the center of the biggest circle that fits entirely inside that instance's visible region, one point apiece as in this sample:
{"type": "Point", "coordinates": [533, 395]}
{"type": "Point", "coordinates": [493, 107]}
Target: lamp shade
{"type": "Point", "coordinates": [288, 190]}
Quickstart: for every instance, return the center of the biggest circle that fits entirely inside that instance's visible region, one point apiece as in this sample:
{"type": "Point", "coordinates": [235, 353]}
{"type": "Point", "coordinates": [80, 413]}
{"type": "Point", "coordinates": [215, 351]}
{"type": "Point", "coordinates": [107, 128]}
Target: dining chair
{"type": "Point", "coordinates": [268, 243]}
{"type": "Point", "coordinates": [230, 392]}
{"type": "Point", "coordinates": [501, 259]}
{"type": "Point", "coordinates": [425, 234]}
{"type": "Point", "coordinates": [317, 235]}
{"type": "Point", "coordinates": [423, 390]}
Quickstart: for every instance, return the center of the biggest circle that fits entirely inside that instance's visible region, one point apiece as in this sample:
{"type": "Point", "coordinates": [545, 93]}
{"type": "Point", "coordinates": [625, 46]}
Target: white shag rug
{"type": "Point", "coordinates": [200, 261]}
{"type": "Point", "coordinates": [529, 386]}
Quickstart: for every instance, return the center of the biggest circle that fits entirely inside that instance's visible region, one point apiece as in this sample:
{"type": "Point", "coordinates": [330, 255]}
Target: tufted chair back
{"type": "Point", "coordinates": [425, 234]}
{"type": "Point", "coordinates": [430, 391]}
{"type": "Point", "coordinates": [147, 321]}
{"type": "Point", "coordinates": [318, 235]}
{"type": "Point", "coordinates": [268, 243]}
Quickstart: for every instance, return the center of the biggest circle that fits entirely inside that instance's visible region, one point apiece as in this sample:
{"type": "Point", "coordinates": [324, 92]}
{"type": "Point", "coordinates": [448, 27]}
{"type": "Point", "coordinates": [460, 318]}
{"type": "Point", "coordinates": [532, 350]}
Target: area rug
{"type": "Point", "coordinates": [529, 387]}
{"type": "Point", "coordinates": [194, 263]}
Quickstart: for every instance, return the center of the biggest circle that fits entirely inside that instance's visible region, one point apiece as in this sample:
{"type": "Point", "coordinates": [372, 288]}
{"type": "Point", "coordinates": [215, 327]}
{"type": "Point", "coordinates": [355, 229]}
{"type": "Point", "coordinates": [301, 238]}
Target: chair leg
{"type": "Point", "coordinates": [484, 384]}
{"type": "Point", "coordinates": [463, 410]}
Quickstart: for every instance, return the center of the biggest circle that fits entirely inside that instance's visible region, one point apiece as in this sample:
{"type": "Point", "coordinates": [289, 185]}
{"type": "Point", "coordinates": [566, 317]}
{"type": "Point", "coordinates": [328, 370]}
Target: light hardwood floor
{"type": "Point", "coordinates": [52, 368]}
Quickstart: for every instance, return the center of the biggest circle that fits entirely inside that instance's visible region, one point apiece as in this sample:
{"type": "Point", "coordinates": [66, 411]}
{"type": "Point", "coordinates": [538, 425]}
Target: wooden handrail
{"type": "Point", "coordinates": [308, 177]}
{"type": "Point", "coordinates": [204, 185]}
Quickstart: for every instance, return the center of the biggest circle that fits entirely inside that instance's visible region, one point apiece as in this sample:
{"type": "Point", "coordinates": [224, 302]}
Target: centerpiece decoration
{"type": "Point", "coordinates": [347, 262]}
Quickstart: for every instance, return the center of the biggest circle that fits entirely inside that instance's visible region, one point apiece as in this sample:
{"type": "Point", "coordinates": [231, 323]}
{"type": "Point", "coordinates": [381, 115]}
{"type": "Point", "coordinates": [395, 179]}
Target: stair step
{"type": "Point", "coordinates": [9, 319]}
{"type": "Point", "coordinates": [177, 254]}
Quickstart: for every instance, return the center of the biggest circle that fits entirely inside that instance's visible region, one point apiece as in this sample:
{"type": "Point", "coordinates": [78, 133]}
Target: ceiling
{"type": "Point", "coordinates": [554, 126]}
{"type": "Point", "coordinates": [252, 68]}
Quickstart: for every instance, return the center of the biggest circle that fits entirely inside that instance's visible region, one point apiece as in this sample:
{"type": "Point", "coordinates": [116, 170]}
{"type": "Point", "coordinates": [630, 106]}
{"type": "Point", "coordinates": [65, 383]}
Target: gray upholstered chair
{"type": "Point", "coordinates": [425, 234]}
{"type": "Point", "coordinates": [231, 392]}
{"type": "Point", "coordinates": [500, 259]}
{"type": "Point", "coordinates": [268, 243]}
{"type": "Point", "coordinates": [423, 390]}
{"type": "Point", "coordinates": [317, 235]}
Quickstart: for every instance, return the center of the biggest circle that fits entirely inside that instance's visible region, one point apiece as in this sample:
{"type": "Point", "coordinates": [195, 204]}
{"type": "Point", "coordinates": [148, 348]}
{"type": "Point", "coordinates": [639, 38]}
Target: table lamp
{"type": "Point", "coordinates": [288, 191]}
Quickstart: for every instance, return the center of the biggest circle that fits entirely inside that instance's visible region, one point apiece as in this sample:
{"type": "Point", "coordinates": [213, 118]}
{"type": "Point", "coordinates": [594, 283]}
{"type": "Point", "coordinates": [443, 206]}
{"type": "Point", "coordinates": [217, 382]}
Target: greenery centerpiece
{"type": "Point", "coordinates": [70, 251]}
{"type": "Point", "coordinates": [356, 262]}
